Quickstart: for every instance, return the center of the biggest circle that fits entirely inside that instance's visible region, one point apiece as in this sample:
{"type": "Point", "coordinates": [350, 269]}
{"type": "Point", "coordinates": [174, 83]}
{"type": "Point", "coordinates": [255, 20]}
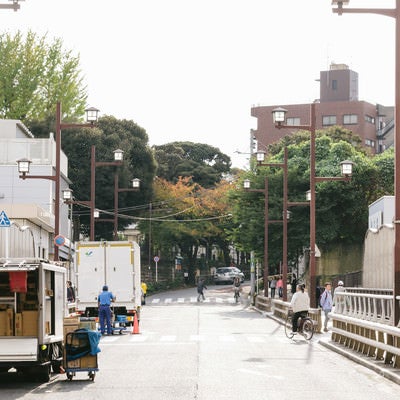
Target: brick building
{"type": "Point", "coordinates": [338, 105]}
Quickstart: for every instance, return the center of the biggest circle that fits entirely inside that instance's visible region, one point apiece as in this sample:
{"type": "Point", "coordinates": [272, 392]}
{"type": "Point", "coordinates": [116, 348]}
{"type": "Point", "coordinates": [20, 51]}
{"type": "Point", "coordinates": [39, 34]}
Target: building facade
{"type": "Point", "coordinates": [338, 105]}
{"type": "Point", "coordinates": [29, 203]}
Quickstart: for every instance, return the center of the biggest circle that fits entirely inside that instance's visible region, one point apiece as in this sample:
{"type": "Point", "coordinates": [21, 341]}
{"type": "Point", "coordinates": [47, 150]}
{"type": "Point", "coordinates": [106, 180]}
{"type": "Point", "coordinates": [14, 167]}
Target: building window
{"type": "Point", "coordinates": [328, 120]}
{"type": "Point", "coordinates": [334, 84]}
{"type": "Point", "coordinates": [350, 119]}
{"type": "Point", "coordinates": [370, 119]}
{"type": "Point", "coordinates": [293, 121]}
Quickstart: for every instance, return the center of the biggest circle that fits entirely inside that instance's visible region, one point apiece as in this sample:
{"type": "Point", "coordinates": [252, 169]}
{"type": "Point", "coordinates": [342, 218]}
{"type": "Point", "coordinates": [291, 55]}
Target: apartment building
{"type": "Point", "coordinates": [338, 105]}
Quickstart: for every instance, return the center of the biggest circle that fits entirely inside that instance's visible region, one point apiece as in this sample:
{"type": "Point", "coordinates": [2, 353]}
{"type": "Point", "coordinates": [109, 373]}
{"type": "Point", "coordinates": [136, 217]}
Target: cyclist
{"type": "Point", "coordinates": [300, 305]}
{"type": "Point", "coordinates": [236, 286]}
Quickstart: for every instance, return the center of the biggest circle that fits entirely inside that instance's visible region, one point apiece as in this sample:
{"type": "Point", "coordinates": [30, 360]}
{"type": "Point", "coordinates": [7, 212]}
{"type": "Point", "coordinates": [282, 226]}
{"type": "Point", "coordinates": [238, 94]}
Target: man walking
{"type": "Point", "coordinates": [200, 287]}
{"type": "Point", "coordinates": [104, 300]}
{"type": "Point", "coordinates": [326, 303]}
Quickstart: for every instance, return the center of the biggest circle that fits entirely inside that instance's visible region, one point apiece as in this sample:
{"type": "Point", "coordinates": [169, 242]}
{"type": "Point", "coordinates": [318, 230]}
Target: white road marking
{"type": "Point", "coordinates": [168, 338]}
{"type": "Point", "coordinates": [197, 338]}
{"type": "Point", "coordinates": [181, 300]}
{"type": "Point", "coordinates": [155, 301]}
{"type": "Point", "coordinates": [229, 339]}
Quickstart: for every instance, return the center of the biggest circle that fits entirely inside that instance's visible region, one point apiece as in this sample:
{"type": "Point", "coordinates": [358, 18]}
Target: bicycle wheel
{"type": "Point", "coordinates": [308, 328]}
{"type": "Point", "coordinates": [288, 327]}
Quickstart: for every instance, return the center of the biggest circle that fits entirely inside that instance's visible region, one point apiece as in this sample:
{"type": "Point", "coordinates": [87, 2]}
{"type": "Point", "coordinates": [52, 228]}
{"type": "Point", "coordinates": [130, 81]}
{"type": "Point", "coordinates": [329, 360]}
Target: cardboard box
{"type": "Point", "coordinates": [89, 361]}
{"type": "Point", "coordinates": [74, 363]}
{"type": "Point", "coordinates": [30, 323]}
{"type": "Point", "coordinates": [3, 323]}
{"type": "Point", "coordinates": [18, 324]}
{"type": "Point", "coordinates": [91, 325]}
{"type": "Point", "coordinates": [71, 321]}
{"type": "Point", "coordinates": [10, 322]}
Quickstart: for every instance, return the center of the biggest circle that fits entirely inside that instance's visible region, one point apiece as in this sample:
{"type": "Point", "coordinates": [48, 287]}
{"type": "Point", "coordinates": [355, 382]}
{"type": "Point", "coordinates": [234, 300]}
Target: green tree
{"type": "Point", "coordinates": [342, 207]}
{"type": "Point", "coordinates": [205, 164]}
{"type": "Point", "coordinates": [34, 75]}
{"type": "Point", "coordinates": [110, 134]}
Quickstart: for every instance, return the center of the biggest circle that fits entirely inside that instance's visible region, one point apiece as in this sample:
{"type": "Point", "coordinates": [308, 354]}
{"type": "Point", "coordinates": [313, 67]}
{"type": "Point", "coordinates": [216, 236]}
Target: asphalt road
{"type": "Point", "coordinates": [213, 350]}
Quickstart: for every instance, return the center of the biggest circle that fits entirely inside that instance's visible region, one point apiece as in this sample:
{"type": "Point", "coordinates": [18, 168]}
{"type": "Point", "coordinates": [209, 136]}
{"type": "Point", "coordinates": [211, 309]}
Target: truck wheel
{"type": "Point", "coordinates": [44, 372]}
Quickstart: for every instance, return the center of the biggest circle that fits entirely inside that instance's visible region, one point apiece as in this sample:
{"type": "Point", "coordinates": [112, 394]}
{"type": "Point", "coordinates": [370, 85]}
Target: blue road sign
{"type": "Point", "coordinates": [4, 221]}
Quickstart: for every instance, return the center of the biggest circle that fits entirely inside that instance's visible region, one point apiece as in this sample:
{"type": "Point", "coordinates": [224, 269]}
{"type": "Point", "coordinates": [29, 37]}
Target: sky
{"type": "Point", "coordinates": [190, 70]}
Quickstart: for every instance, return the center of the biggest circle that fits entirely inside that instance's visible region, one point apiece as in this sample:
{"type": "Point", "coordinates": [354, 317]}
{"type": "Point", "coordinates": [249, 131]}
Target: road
{"type": "Point", "coordinates": [214, 350]}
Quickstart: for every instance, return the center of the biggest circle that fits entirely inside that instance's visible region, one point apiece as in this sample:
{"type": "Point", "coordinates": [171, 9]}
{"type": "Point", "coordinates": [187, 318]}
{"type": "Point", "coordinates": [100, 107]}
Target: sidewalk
{"type": "Point", "coordinates": [324, 339]}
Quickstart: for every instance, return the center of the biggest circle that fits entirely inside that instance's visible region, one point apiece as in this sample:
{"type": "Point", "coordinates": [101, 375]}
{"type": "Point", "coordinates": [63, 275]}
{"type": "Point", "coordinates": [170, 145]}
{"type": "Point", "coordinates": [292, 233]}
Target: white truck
{"type": "Point", "coordinates": [33, 305]}
{"type": "Point", "coordinates": [112, 263]}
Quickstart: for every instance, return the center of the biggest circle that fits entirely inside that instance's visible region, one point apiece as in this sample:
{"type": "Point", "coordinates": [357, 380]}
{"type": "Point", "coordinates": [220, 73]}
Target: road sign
{"type": "Point", "coordinates": [156, 259]}
{"type": "Point", "coordinates": [4, 221]}
{"type": "Point", "coordinates": [59, 240]}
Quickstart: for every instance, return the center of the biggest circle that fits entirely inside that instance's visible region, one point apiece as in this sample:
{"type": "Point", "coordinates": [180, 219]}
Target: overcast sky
{"type": "Point", "coordinates": [192, 69]}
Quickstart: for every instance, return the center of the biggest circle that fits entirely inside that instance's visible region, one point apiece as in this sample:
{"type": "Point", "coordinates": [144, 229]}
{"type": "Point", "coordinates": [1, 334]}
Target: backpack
{"type": "Point", "coordinates": [320, 298]}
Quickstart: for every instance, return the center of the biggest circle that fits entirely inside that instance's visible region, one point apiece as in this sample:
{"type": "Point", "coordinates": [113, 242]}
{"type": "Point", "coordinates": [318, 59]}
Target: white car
{"type": "Point", "coordinates": [227, 274]}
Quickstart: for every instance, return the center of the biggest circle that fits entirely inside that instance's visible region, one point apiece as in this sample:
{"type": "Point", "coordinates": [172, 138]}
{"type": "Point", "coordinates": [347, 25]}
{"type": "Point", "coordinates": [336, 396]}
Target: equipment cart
{"type": "Point", "coordinates": [81, 348]}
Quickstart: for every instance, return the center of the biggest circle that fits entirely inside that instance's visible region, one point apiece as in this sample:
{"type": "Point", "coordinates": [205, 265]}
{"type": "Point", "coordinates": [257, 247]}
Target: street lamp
{"type": "Point", "coordinates": [285, 212]}
{"type": "Point", "coordinates": [394, 13]}
{"type": "Point", "coordinates": [24, 164]}
{"type": "Point", "coordinates": [279, 117]}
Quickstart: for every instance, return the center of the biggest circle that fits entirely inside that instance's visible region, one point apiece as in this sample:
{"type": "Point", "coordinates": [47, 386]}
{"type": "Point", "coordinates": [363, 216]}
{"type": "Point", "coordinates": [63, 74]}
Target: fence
{"type": "Point", "coordinates": [363, 321]}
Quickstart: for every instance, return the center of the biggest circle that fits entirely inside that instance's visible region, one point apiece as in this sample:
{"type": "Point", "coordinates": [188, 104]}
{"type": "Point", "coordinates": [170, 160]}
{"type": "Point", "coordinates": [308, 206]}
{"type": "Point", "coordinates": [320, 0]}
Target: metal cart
{"type": "Point", "coordinates": [78, 357]}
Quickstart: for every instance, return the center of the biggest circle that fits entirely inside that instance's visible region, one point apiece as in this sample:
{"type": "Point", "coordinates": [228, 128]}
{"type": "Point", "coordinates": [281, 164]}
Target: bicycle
{"type": "Point", "coordinates": [305, 326]}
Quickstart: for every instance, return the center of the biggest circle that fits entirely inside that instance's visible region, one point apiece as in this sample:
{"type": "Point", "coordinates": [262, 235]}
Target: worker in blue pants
{"type": "Point", "coordinates": [104, 301]}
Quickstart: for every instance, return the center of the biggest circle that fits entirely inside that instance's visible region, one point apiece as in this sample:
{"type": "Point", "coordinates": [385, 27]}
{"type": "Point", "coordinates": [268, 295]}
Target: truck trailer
{"type": "Point", "coordinates": [33, 305]}
{"type": "Point", "coordinates": [112, 263]}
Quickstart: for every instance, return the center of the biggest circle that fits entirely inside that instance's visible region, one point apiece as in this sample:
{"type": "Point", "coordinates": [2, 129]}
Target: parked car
{"type": "Point", "coordinates": [227, 274]}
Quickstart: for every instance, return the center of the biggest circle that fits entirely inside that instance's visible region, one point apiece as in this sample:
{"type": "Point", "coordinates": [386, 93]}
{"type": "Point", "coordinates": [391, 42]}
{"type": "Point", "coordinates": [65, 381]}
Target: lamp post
{"type": "Point", "coordinates": [24, 164]}
{"type": "Point", "coordinates": [279, 117]}
{"type": "Point", "coordinates": [135, 185]}
{"type": "Point", "coordinates": [394, 13]}
{"type": "Point", "coordinates": [285, 212]}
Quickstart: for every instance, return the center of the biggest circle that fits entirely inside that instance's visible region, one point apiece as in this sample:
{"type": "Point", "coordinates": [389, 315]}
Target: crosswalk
{"type": "Point", "coordinates": [190, 300]}
{"type": "Point", "coordinates": [149, 338]}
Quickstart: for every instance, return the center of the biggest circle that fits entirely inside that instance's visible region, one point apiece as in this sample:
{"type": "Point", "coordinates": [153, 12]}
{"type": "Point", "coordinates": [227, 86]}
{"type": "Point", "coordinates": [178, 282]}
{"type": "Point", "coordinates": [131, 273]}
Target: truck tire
{"type": "Point", "coordinates": [44, 373]}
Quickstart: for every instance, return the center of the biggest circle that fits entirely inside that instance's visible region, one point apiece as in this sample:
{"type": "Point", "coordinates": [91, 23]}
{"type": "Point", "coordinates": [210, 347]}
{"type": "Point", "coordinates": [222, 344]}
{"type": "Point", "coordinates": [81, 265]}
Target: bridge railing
{"type": "Point", "coordinates": [362, 320]}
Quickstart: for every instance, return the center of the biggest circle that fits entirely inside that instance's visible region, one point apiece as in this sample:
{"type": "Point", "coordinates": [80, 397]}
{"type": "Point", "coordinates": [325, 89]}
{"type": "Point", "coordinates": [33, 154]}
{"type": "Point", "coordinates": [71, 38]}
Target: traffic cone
{"type": "Point", "coordinates": [135, 329]}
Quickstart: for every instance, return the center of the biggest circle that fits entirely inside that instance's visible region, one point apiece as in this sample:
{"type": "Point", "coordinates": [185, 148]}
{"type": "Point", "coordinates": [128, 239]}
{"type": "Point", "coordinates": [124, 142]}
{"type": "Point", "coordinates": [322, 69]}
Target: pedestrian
{"type": "Point", "coordinates": [294, 284]}
{"type": "Point", "coordinates": [326, 303]}
{"type": "Point", "coordinates": [300, 305]}
{"type": "Point", "coordinates": [104, 302]}
{"type": "Point", "coordinates": [200, 287]}
{"type": "Point", "coordinates": [339, 301]}
{"type": "Point", "coordinates": [70, 292]}
{"type": "Point", "coordinates": [272, 285]}
{"type": "Point", "coordinates": [144, 292]}
{"type": "Point", "coordinates": [279, 285]}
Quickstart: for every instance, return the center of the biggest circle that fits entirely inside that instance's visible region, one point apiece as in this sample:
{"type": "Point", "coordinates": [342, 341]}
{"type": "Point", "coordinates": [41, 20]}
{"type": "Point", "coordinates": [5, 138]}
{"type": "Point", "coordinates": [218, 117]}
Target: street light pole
{"type": "Point", "coordinates": [394, 13]}
{"type": "Point", "coordinates": [24, 164]}
{"type": "Point", "coordinates": [279, 115]}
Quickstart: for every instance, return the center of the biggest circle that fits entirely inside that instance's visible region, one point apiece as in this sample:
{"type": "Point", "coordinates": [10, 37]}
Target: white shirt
{"type": "Point", "coordinates": [300, 302]}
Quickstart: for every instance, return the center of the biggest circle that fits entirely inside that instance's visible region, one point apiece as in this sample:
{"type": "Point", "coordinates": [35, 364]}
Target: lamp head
{"type": "Point", "coordinates": [279, 115]}
{"type": "Point", "coordinates": [135, 183]}
{"type": "Point", "coordinates": [346, 168]}
{"type": "Point", "coordinates": [67, 194]}
{"type": "Point", "coordinates": [118, 155]}
{"type": "Point", "coordinates": [246, 183]}
{"type": "Point", "coordinates": [24, 165]}
{"type": "Point", "coordinates": [92, 115]}
{"type": "Point", "coordinates": [260, 156]}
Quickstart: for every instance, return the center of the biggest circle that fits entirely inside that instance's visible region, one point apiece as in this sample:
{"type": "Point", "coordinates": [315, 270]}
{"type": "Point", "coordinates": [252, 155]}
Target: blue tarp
{"type": "Point", "coordinates": [88, 343]}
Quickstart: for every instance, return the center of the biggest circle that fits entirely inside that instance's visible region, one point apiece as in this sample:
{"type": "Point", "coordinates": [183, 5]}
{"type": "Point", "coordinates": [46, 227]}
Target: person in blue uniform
{"type": "Point", "coordinates": [104, 302]}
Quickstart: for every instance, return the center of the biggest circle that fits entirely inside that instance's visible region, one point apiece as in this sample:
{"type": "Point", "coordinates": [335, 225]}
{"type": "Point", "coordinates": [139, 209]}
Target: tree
{"type": "Point", "coordinates": [203, 163]}
{"type": "Point", "coordinates": [186, 216]}
{"type": "Point", "coordinates": [342, 207]}
{"type": "Point", "coordinates": [110, 134]}
{"type": "Point", "coordinates": [35, 75]}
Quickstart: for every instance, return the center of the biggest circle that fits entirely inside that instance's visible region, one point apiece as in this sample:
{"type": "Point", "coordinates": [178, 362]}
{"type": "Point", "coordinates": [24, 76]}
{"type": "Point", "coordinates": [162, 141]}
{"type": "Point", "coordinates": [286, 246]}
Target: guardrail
{"type": "Point", "coordinates": [280, 310]}
{"type": "Point", "coordinates": [363, 322]}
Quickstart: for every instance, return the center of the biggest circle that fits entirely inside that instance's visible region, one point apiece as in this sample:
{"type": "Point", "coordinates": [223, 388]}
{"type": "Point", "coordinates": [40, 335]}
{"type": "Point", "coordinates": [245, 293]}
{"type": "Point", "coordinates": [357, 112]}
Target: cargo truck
{"type": "Point", "coordinates": [112, 263]}
{"type": "Point", "coordinates": [33, 305]}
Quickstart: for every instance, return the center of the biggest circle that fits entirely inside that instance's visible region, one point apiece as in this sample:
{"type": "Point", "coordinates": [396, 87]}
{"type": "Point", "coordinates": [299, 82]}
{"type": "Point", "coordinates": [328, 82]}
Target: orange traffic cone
{"type": "Point", "coordinates": [135, 329]}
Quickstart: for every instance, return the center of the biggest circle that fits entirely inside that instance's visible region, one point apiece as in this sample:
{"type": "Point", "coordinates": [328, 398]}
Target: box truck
{"type": "Point", "coordinates": [112, 263]}
{"type": "Point", "coordinates": [33, 305]}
